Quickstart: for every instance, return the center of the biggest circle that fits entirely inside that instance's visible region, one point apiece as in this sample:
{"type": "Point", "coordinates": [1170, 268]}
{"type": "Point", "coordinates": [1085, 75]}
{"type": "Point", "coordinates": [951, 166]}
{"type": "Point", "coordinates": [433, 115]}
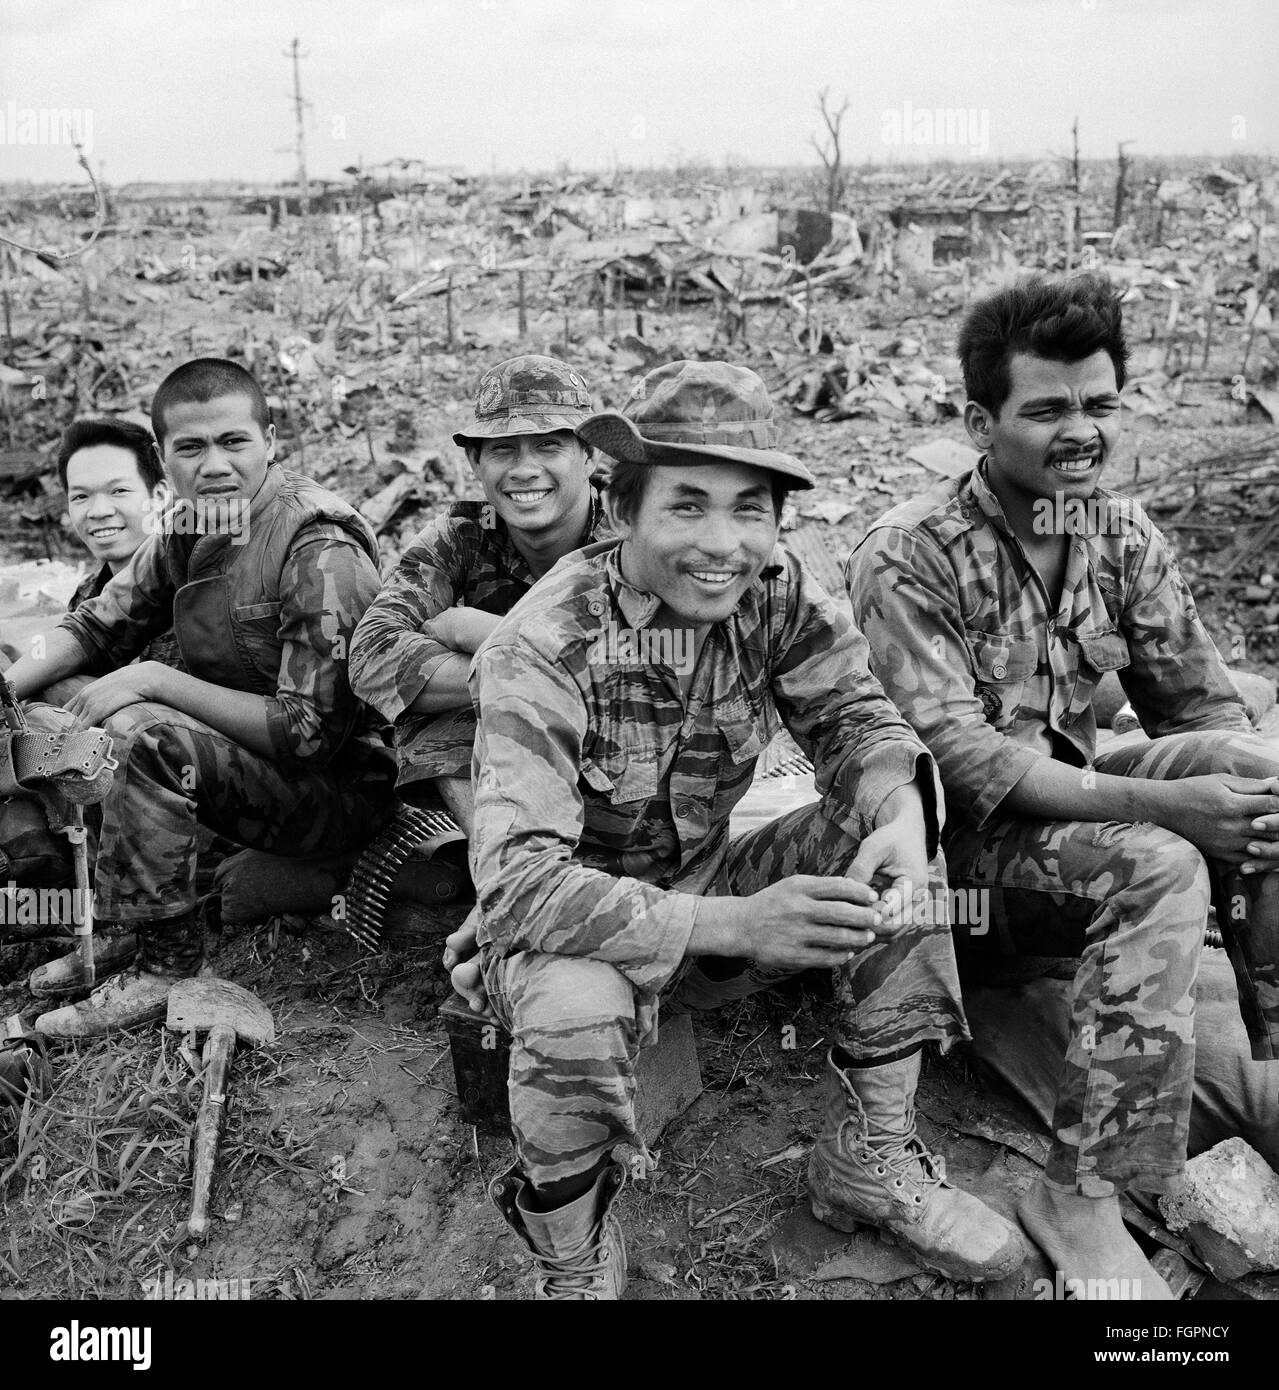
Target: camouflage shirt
{"type": "Point", "coordinates": [465, 557]}
{"type": "Point", "coordinates": [164, 648]}
{"type": "Point", "coordinates": [310, 579]}
{"type": "Point", "coordinates": [603, 792]}
{"type": "Point", "coordinates": [966, 643]}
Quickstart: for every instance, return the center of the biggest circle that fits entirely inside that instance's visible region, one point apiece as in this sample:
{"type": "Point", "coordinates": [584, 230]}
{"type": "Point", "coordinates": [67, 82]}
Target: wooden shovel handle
{"type": "Point", "coordinates": [218, 1051]}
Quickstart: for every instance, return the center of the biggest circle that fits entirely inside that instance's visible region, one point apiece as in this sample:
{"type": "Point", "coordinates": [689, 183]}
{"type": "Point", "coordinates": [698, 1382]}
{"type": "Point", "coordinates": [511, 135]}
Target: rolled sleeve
{"type": "Point", "coordinates": [862, 748]}
{"type": "Point", "coordinates": [326, 584]}
{"type": "Point", "coordinates": [393, 655]}
{"type": "Point", "coordinates": [906, 601]}
{"type": "Point", "coordinates": [533, 895]}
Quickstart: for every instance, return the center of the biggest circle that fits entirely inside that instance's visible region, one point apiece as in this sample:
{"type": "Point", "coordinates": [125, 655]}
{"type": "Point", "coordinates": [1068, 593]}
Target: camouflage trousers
{"type": "Point", "coordinates": [177, 774]}
{"type": "Point", "coordinates": [577, 1024]}
{"type": "Point", "coordinates": [1131, 901]}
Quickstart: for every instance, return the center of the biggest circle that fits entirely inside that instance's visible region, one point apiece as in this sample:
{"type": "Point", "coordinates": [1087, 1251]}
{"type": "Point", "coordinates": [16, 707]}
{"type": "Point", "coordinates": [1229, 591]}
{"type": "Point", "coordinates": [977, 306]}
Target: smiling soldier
{"type": "Point", "coordinates": [259, 738]}
{"type": "Point", "coordinates": [601, 853]}
{"type": "Point", "coordinates": [116, 493]}
{"type": "Point", "coordinates": [116, 497]}
{"type": "Point", "coordinates": [993, 606]}
{"type": "Point", "coordinates": [469, 567]}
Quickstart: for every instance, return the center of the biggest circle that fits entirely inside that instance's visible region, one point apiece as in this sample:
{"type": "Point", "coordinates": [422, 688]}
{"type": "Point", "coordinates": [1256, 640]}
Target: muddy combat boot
{"type": "Point", "coordinates": [113, 949]}
{"type": "Point", "coordinates": [139, 995]}
{"type": "Point", "coordinates": [869, 1165]}
{"type": "Point", "coordinates": [578, 1249]}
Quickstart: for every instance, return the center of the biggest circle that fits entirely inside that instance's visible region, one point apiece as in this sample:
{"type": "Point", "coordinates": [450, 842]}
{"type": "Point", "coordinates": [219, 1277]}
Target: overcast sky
{"type": "Point", "coordinates": [193, 89]}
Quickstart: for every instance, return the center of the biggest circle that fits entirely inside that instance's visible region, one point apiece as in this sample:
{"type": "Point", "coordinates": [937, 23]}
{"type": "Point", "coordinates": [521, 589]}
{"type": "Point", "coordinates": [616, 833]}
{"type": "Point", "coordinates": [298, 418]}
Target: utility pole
{"type": "Point", "coordinates": [304, 191]}
{"type": "Point", "coordinates": [1074, 164]}
{"type": "Point", "coordinates": [1121, 178]}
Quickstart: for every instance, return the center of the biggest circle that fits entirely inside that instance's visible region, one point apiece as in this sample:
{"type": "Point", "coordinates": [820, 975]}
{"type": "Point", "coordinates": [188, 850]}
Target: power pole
{"type": "Point", "coordinates": [1121, 178]}
{"type": "Point", "coordinates": [1074, 164]}
{"type": "Point", "coordinates": [304, 191]}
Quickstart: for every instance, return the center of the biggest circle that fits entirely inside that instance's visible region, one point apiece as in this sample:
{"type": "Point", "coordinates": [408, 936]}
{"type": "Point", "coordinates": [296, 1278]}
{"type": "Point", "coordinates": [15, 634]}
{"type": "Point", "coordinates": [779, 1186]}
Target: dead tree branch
{"type": "Point", "coordinates": [99, 220]}
{"type": "Point", "coordinates": [828, 150]}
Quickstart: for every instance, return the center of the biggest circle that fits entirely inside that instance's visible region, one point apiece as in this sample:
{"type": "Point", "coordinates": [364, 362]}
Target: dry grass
{"type": "Point", "coordinates": [95, 1178]}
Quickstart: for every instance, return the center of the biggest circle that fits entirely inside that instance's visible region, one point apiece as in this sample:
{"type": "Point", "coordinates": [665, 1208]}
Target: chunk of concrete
{"type": "Point", "coordinates": [668, 1078]}
{"type": "Point", "coordinates": [1228, 1210]}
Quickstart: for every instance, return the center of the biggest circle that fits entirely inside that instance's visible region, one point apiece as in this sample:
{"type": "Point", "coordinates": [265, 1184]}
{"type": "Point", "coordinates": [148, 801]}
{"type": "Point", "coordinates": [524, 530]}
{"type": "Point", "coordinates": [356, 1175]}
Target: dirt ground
{"type": "Point", "coordinates": [346, 1171]}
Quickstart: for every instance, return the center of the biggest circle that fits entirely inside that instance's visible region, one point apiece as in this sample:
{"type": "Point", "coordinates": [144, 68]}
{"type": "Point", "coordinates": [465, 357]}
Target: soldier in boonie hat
{"type": "Point", "coordinates": [469, 566]}
{"type": "Point", "coordinates": [527, 395]}
{"type": "Point", "coordinates": [696, 412]}
{"type": "Point", "coordinates": [622, 710]}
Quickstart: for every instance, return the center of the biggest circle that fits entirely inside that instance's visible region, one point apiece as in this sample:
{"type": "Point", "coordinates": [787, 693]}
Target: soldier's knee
{"type": "Point", "coordinates": [565, 991]}
{"type": "Point", "coordinates": [1166, 864]}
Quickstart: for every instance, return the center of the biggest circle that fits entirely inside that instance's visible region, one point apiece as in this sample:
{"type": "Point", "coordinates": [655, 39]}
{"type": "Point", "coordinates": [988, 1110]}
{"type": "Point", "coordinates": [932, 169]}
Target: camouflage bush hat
{"type": "Point", "coordinates": [684, 412]}
{"type": "Point", "coordinates": [527, 395]}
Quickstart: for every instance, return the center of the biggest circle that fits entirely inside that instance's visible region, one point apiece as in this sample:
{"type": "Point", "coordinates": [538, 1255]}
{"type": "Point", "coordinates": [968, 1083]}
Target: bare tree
{"type": "Point", "coordinates": [828, 149]}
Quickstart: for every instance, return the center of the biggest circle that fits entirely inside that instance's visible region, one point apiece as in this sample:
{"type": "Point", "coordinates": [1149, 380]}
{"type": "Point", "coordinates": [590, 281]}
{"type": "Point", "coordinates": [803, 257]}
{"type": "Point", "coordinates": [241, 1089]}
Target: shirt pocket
{"type": "Point", "coordinates": [1002, 665]}
{"type": "Point", "coordinates": [746, 741]}
{"type": "Point", "coordinates": [617, 788]}
{"type": "Point", "coordinates": [1099, 652]}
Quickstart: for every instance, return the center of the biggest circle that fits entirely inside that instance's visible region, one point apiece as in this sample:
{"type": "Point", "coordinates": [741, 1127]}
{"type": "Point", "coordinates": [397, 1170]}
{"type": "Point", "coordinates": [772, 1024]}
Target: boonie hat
{"type": "Point", "coordinates": [684, 412]}
{"type": "Point", "coordinates": [527, 395]}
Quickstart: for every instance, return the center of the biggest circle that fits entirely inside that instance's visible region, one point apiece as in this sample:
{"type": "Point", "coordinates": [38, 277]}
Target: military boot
{"type": "Point", "coordinates": [869, 1165]}
{"type": "Point", "coordinates": [578, 1249]}
{"type": "Point", "coordinates": [113, 949]}
{"type": "Point", "coordinates": [167, 952]}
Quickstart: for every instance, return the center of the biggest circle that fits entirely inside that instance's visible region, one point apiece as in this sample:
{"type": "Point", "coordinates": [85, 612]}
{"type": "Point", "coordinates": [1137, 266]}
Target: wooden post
{"type": "Point", "coordinates": [523, 312]}
{"type": "Point", "coordinates": [1078, 224]}
{"type": "Point", "coordinates": [1121, 176]}
{"type": "Point", "coordinates": [8, 319]}
{"type": "Point", "coordinates": [1174, 311]}
{"type": "Point", "coordinates": [808, 310]}
{"type": "Point", "coordinates": [1210, 289]}
{"type": "Point", "coordinates": [448, 313]}
{"type": "Point", "coordinates": [606, 293]}
{"type": "Point", "coordinates": [421, 371]}
{"type": "Point", "coordinates": [620, 285]}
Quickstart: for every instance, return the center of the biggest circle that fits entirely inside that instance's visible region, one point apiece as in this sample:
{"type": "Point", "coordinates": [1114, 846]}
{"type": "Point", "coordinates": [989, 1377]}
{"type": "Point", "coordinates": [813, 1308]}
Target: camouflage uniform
{"type": "Point", "coordinates": [163, 648]}
{"type": "Point", "coordinates": [308, 567]}
{"type": "Point", "coordinates": [603, 797]}
{"type": "Point", "coordinates": [466, 557]}
{"type": "Point", "coordinates": [992, 679]}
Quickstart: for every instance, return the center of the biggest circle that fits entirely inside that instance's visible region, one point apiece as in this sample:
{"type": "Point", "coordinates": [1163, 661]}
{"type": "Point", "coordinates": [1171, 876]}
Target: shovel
{"type": "Point", "coordinates": [229, 1015]}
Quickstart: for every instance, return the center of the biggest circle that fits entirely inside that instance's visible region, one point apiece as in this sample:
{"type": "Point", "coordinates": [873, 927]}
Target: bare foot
{"type": "Point", "coordinates": [1088, 1244]}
